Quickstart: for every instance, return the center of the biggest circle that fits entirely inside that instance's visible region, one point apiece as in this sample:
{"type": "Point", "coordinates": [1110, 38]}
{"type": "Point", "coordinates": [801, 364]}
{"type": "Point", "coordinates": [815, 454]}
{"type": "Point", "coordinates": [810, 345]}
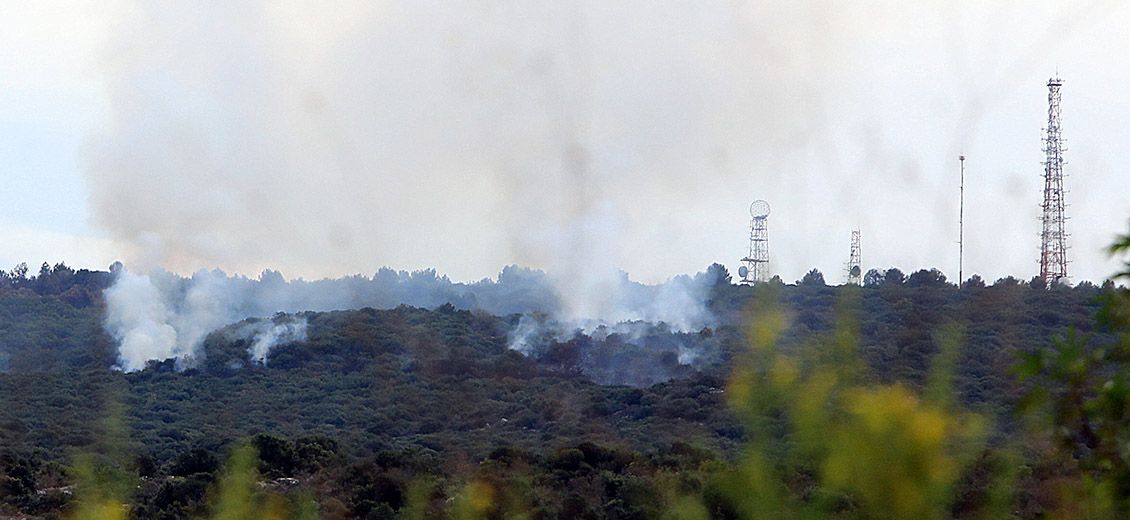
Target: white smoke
{"type": "Point", "coordinates": [267, 334]}
{"type": "Point", "coordinates": [160, 315]}
{"type": "Point", "coordinates": [137, 317]}
{"type": "Point", "coordinates": [209, 302]}
{"type": "Point", "coordinates": [523, 337]}
{"type": "Point", "coordinates": [628, 309]}
{"type": "Point", "coordinates": [687, 356]}
{"type": "Point", "coordinates": [680, 303]}
{"type": "Point", "coordinates": [576, 137]}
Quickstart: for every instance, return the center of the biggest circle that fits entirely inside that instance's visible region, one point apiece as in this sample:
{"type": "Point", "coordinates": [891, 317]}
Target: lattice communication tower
{"type": "Point", "coordinates": [1053, 238]}
{"type": "Point", "coordinates": [855, 263]}
{"type": "Point", "coordinates": [755, 266]}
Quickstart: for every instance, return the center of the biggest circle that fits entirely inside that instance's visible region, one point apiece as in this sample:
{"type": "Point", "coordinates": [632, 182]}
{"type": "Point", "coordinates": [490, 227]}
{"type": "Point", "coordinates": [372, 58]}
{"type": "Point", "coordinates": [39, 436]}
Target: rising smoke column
{"type": "Point", "coordinates": [266, 334]}
{"type": "Point", "coordinates": [557, 135]}
{"type": "Point", "coordinates": [159, 316]}
{"type": "Point", "coordinates": [138, 318]}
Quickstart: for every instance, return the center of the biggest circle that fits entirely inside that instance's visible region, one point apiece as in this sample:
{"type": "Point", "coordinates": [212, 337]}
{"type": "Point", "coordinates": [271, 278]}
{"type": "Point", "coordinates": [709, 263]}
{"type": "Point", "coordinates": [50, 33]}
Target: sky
{"type": "Point", "coordinates": [568, 136]}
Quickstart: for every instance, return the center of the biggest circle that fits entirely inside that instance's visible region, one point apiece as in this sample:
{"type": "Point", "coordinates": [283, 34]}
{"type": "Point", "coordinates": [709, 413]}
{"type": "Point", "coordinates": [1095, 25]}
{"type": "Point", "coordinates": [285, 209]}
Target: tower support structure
{"type": "Point", "coordinates": [1053, 237]}
{"type": "Point", "coordinates": [755, 266]}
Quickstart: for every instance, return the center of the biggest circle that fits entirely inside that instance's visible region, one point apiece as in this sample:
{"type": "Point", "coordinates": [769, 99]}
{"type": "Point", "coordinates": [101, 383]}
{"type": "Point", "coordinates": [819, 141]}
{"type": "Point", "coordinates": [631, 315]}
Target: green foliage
{"type": "Point", "coordinates": [1081, 398]}
{"type": "Point", "coordinates": [1120, 246]}
{"type": "Point", "coordinates": [103, 485]}
{"type": "Point", "coordinates": [235, 490]}
{"type": "Point", "coordinates": [825, 442]}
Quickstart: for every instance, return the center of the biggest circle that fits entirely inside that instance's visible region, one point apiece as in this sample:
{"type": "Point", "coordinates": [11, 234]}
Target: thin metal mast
{"type": "Point", "coordinates": [1053, 238]}
{"type": "Point", "coordinates": [961, 227]}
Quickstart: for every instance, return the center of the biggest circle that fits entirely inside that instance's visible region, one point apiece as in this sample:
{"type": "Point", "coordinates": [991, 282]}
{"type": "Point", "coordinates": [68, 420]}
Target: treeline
{"type": "Point", "coordinates": [80, 288]}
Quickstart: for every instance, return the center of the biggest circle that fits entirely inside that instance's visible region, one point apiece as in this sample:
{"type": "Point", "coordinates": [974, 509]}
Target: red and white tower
{"type": "Point", "coordinates": [1053, 239]}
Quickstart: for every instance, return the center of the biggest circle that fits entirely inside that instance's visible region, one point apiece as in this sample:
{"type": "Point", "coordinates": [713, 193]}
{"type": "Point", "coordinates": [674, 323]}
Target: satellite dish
{"type": "Point", "coordinates": [855, 270]}
{"type": "Point", "coordinates": [759, 209]}
{"type": "Point", "coordinates": [743, 271]}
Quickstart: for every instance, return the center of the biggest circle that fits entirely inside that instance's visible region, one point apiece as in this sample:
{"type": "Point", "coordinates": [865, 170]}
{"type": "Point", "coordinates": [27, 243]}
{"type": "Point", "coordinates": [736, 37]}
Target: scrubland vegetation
{"type": "Point", "coordinates": [905, 398]}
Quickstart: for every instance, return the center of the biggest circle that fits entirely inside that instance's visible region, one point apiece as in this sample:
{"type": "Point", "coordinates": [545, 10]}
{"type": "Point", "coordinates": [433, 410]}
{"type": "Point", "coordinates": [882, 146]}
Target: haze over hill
{"type": "Point", "coordinates": [580, 138]}
{"type": "Point", "coordinates": [158, 315]}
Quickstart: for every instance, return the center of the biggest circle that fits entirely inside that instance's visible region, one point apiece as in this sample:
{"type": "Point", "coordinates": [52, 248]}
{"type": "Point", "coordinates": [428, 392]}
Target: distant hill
{"type": "Point", "coordinates": [438, 386]}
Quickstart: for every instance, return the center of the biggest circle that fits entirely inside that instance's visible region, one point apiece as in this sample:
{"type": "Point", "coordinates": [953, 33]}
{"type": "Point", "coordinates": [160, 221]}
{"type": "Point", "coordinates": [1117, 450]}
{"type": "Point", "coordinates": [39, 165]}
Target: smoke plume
{"type": "Point", "coordinates": [581, 138]}
{"type": "Point", "coordinates": [267, 334]}
{"type": "Point", "coordinates": [161, 315]}
{"type": "Point", "coordinates": [137, 317]}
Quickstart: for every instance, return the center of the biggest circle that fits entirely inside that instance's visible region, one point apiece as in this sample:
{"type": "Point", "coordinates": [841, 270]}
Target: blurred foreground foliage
{"type": "Point", "coordinates": [827, 443]}
{"type": "Point", "coordinates": [894, 400]}
{"type": "Point", "coordinates": [1080, 407]}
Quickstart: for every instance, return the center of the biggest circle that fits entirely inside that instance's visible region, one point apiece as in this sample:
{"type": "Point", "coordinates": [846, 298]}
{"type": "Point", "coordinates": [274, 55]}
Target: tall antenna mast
{"type": "Point", "coordinates": [756, 268]}
{"type": "Point", "coordinates": [1053, 238]}
{"type": "Point", "coordinates": [961, 228]}
{"type": "Point", "coordinates": [855, 267]}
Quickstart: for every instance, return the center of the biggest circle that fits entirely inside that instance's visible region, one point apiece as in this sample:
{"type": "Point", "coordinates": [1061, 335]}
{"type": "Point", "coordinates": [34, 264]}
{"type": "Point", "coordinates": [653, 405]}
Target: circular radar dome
{"type": "Point", "coordinates": [855, 271]}
{"type": "Point", "coordinates": [743, 271]}
{"type": "Point", "coordinates": [759, 209]}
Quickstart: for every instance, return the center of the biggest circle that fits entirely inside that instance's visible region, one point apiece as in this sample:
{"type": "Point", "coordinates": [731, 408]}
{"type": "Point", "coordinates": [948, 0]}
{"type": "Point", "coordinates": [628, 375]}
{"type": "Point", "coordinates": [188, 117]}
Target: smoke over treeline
{"type": "Point", "coordinates": [576, 137]}
{"type": "Point", "coordinates": [161, 315]}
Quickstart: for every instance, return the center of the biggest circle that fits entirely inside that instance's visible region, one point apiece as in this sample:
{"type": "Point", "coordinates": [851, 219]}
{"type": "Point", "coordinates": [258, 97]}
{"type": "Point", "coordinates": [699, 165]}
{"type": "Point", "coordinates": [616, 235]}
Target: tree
{"type": "Point", "coordinates": [1008, 281]}
{"type": "Point", "coordinates": [272, 278]}
{"type": "Point", "coordinates": [974, 282]}
{"type": "Point", "coordinates": [20, 482]}
{"type": "Point", "coordinates": [314, 452]}
{"type": "Point", "coordinates": [54, 280]}
{"type": "Point", "coordinates": [873, 277]}
{"type": "Point", "coordinates": [197, 460]}
{"type": "Point", "coordinates": [19, 272]}
{"type": "Point", "coordinates": [277, 457]}
{"type": "Point", "coordinates": [812, 279]}
{"type": "Point", "coordinates": [893, 276]}
{"type": "Point", "coordinates": [924, 278]}
{"type": "Point", "coordinates": [718, 274]}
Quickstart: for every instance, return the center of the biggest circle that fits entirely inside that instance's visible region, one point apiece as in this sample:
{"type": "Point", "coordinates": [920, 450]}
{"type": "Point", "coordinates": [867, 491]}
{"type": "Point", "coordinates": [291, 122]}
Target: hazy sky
{"type": "Point", "coordinates": [324, 139]}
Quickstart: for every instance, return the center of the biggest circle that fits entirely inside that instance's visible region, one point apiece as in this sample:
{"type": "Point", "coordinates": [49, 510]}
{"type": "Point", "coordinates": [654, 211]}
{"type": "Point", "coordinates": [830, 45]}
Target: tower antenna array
{"type": "Point", "coordinates": [755, 266]}
{"type": "Point", "coordinates": [1053, 238]}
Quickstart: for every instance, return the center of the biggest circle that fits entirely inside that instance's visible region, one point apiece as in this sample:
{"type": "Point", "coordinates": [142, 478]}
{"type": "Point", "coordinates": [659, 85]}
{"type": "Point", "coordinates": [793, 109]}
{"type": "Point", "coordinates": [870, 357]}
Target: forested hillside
{"type": "Point", "coordinates": [380, 410]}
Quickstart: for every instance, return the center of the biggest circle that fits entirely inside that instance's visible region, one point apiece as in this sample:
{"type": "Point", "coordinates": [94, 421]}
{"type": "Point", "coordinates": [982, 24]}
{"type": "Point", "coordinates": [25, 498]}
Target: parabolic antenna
{"type": "Point", "coordinates": [855, 270]}
{"type": "Point", "coordinates": [759, 209]}
{"type": "Point", "coordinates": [743, 271]}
